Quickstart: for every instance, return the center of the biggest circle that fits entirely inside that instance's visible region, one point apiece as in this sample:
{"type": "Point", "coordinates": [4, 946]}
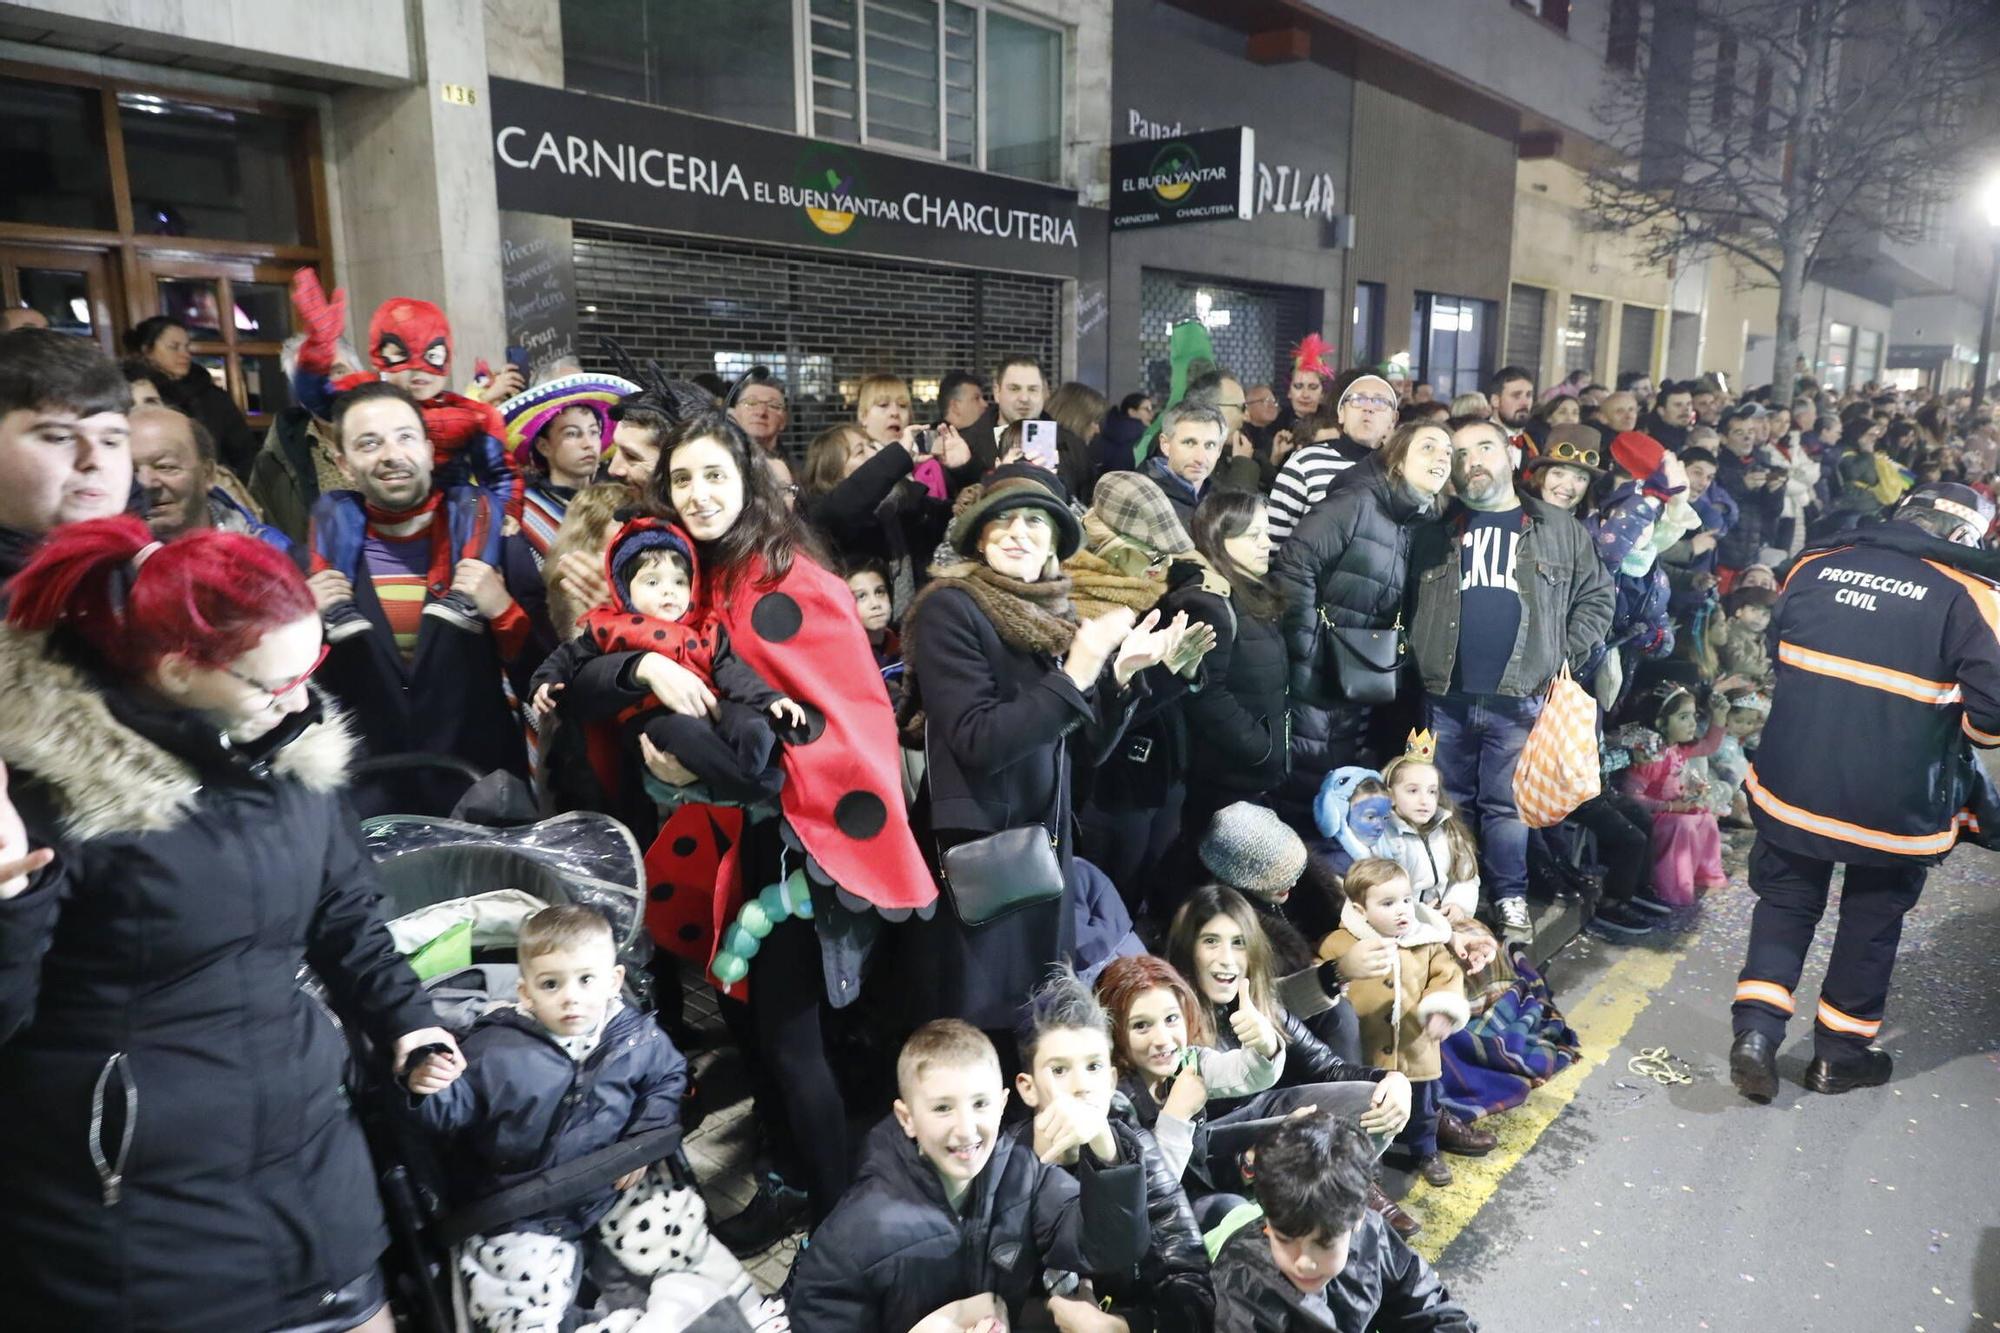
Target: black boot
{"type": "Point", "coordinates": [1753, 1066]}
{"type": "Point", "coordinates": [1870, 1069]}
{"type": "Point", "coordinates": [775, 1212]}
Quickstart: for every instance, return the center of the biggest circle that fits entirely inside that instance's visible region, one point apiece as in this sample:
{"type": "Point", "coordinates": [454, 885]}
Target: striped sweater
{"type": "Point", "coordinates": [1305, 479]}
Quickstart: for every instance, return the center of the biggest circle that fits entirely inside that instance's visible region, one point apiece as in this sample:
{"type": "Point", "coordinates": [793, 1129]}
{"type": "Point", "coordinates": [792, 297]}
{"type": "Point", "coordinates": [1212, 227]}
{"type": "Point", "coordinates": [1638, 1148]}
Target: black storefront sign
{"type": "Point", "coordinates": [1193, 178]}
{"type": "Point", "coordinates": [578, 156]}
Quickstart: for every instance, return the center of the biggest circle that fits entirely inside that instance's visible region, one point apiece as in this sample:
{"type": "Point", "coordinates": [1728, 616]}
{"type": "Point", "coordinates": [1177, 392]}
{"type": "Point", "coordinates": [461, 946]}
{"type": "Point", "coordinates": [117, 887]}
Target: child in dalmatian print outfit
{"type": "Point", "coordinates": [568, 1071]}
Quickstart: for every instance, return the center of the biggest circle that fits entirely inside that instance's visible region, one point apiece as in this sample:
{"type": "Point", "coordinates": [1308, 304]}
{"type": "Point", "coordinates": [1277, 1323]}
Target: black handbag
{"type": "Point", "coordinates": [1001, 873]}
{"type": "Point", "coordinates": [1362, 662]}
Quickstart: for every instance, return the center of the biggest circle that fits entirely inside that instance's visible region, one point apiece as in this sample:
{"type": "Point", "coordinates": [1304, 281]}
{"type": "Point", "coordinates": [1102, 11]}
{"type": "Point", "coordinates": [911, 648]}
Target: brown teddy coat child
{"type": "Point", "coordinates": [1424, 980]}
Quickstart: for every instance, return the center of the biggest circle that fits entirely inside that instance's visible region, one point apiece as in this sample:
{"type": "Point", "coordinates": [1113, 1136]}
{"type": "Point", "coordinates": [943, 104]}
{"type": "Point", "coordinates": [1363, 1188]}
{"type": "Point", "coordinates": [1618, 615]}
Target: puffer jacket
{"type": "Point", "coordinates": [1425, 855]}
{"type": "Point", "coordinates": [1385, 1285]}
{"type": "Point", "coordinates": [893, 1250]}
{"type": "Point", "coordinates": [177, 1149]}
{"type": "Point", "coordinates": [524, 1106]}
{"type": "Point", "coordinates": [1169, 1292]}
{"type": "Point", "coordinates": [1349, 557]}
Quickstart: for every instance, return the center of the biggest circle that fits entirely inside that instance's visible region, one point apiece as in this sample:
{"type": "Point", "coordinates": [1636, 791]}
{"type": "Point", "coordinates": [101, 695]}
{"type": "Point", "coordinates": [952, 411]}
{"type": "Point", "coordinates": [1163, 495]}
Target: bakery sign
{"type": "Point", "coordinates": [1191, 178]}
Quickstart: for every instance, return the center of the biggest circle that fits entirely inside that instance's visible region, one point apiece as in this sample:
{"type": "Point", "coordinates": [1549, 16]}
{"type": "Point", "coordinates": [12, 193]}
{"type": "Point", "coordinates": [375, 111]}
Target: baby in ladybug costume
{"type": "Point", "coordinates": [652, 570]}
{"type": "Point", "coordinates": [409, 343]}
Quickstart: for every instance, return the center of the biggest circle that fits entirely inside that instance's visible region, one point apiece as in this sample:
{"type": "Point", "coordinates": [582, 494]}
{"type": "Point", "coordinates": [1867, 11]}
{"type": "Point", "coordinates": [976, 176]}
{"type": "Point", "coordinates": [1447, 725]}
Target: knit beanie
{"type": "Point", "coordinates": [1249, 848]}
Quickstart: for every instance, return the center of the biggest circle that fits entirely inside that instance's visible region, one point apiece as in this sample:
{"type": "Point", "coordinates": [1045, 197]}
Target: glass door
{"type": "Point", "coordinates": [69, 289]}
{"type": "Point", "coordinates": [238, 315]}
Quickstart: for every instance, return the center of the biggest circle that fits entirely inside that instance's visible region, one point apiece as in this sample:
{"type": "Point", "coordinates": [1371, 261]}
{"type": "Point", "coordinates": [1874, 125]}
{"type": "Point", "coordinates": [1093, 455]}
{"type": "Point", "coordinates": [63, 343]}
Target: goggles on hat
{"type": "Point", "coordinates": [1562, 451]}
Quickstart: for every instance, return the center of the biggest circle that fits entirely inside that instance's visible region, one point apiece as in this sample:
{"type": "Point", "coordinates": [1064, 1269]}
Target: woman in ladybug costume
{"type": "Point", "coordinates": [841, 840]}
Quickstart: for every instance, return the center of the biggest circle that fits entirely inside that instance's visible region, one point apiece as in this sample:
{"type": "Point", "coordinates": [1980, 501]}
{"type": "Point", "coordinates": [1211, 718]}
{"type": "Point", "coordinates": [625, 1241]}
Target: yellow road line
{"type": "Point", "coordinates": [1600, 1017]}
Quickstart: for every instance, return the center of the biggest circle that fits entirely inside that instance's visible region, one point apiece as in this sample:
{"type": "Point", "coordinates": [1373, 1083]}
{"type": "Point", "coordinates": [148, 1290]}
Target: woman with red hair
{"type": "Point", "coordinates": [176, 1146]}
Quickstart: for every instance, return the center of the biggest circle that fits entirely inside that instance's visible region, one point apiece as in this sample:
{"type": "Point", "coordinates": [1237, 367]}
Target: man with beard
{"type": "Point", "coordinates": [1640, 385]}
{"type": "Point", "coordinates": [418, 621]}
{"type": "Point", "coordinates": [174, 462]}
{"type": "Point", "coordinates": [1508, 590]}
{"type": "Point", "coordinates": [1512, 393]}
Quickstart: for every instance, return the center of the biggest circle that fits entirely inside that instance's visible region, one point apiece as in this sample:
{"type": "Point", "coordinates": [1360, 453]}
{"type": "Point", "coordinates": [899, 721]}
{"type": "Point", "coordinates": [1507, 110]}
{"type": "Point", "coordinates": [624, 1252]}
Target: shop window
{"type": "Point", "coordinates": [1252, 327]}
{"type": "Point", "coordinates": [1369, 299]}
{"type": "Point", "coordinates": [1527, 314]}
{"type": "Point", "coordinates": [675, 54]}
{"type": "Point", "coordinates": [211, 172]}
{"type": "Point", "coordinates": [1867, 356]}
{"type": "Point", "coordinates": [53, 157]}
{"type": "Point", "coordinates": [909, 74]}
{"type": "Point", "coordinates": [1581, 333]}
{"type": "Point", "coordinates": [1836, 363]}
{"type": "Point", "coordinates": [1450, 346]}
{"type": "Point", "coordinates": [1635, 338]}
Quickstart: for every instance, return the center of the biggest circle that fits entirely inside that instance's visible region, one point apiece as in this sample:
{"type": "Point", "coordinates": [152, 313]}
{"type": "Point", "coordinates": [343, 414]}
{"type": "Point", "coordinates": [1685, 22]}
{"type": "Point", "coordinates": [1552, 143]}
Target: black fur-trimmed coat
{"type": "Point", "coordinates": [177, 1151]}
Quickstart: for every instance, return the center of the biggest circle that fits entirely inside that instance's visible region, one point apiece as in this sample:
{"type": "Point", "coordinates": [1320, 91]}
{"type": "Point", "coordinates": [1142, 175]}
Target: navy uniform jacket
{"type": "Point", "coordinates": [1888, 662]}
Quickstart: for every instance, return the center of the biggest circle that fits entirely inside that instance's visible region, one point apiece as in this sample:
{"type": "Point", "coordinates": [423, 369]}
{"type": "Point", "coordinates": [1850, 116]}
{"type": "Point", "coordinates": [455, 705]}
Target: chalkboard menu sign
{"type": "Point", "coordinates": [538, 278]}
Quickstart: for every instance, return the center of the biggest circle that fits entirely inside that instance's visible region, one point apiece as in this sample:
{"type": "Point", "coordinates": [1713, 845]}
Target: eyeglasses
{"type": "Point", "coordinates": [1375, 401]}
{"type": "Point", "coordinates": [1562, 451]}
{"type": "Point", "coordinates": [278, 693]}
{"type": "Point", "coordinates": [761, 404]}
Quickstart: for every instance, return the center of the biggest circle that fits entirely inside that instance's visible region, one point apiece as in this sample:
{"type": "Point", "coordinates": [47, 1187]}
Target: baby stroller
{"type": "Point", "coordinates": [454, 892]}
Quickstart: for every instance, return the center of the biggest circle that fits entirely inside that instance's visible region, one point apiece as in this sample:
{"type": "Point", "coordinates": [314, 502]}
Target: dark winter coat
{"type": "Point", "coordinates": [1075, 467]}
{"type": "Point", "coordinates": [893, 1250]}
{"type": "Point", "coordinates": [1349, 556]}
{"type": "Point", "coordinates": [879, 511]}
{"type": "Point", "coordinates": [1757, 515]}
{"type": "Point", "coordinates": [1004, 726]}
{"type": "Point", "coordinates": [1236, 725]}
{"type": "Point", "coordinates": [1566, 600]}
{"type": "Point", "coordinates": [151, 977]}
{"type": "Point", "coordinates": [1385, 1286]}
{"type": "Point", "coordinates": [1170, 1291]}
{"type": "Point", "coordinates": [524, 1106]}
{"type": "Point", "coordinates": [283, 478]}
{"type": "Point", "coordinates": [200, 397]}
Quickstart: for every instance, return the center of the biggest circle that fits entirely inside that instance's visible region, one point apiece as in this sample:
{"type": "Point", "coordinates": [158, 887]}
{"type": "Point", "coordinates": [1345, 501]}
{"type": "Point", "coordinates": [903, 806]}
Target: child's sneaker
{"type": "Point", "coordinates": [1435, 1171]}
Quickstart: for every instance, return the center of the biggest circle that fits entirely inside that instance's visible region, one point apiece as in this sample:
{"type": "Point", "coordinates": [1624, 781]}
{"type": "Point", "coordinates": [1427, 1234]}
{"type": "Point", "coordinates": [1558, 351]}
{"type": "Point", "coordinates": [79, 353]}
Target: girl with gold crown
{"type": "Point", "coordinates": [1427, 838]}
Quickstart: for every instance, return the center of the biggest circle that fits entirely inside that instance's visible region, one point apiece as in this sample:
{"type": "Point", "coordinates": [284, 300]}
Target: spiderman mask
{"type": "Point", "coordinates": [410, 343]}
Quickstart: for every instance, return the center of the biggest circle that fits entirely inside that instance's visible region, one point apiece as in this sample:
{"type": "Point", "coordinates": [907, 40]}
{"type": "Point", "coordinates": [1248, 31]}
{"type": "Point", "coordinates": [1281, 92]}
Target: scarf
{"type": "Point", "coordinates": [406, 524]}
{"type": "Point", "coordinates": [1099, 586]}
{"type": "Point", "coordinates": [1033, 617]}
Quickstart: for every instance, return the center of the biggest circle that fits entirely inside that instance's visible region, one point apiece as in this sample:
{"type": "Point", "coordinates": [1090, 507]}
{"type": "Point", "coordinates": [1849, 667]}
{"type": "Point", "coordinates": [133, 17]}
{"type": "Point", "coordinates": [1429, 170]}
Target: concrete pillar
{"type": "Point", "coordinates": [417, 186]}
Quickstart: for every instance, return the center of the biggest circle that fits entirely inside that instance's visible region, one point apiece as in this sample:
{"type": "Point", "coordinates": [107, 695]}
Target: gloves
{"type": "Point", "coordinates": [324, 319]}
{"type": "Point", "coordinates": [454, 421]}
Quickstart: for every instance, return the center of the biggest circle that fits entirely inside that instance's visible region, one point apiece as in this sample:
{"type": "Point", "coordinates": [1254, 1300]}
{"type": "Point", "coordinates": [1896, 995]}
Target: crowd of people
{"type": "Point", "coordinates": [1097, 820]}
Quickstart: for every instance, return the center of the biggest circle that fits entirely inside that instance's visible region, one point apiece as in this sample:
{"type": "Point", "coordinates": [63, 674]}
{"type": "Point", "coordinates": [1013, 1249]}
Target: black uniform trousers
{"type": "Point", "coordinates": [1791, 897]}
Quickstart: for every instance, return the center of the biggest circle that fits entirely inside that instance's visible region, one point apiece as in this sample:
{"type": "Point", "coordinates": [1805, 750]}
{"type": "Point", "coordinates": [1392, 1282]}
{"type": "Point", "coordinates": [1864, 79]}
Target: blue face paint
{"type": "Point", "coordinates": [1369, 817]}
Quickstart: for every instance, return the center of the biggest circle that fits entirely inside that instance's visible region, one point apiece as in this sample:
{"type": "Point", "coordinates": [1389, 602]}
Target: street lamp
{"type": "Point", "coordinates": [1989, 205]}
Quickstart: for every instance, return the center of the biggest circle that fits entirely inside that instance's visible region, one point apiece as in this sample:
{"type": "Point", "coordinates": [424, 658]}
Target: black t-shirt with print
{"type": "Point", "coordinates": [1489, 599]}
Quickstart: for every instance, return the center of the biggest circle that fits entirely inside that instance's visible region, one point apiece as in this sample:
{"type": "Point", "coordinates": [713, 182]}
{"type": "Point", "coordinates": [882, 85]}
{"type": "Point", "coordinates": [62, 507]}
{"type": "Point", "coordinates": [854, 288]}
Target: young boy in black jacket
{"type": "Point", "coordinates": [1066, 1053]}
{"type": "Point", "coordinates": [1320, 1262]}
{"type": "Point", "coordinates": [569, 1070]}
{"type": "Point", "coordinates": [951, 1223]}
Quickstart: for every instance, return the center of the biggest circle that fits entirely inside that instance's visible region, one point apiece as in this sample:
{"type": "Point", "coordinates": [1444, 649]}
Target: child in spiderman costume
{"type": "Point", "coordinates": [409, 342]}
{"type": "Point", "coordinates": [652, 571]}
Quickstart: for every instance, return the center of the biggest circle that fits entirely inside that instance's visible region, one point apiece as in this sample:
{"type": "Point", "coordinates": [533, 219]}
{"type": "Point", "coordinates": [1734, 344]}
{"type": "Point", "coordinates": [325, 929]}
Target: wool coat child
{"type": "Point", "coordinates": [1424, 979]}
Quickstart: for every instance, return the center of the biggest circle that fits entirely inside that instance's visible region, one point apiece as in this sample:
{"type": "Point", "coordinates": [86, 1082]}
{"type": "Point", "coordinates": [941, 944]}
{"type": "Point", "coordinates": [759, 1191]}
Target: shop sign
{"type": "Point", "coordinates": [1281, 187]}
{"type": "Point", "coordinates": [579, 156]}
{"type": "Point", "coordinates": [1189, 178]}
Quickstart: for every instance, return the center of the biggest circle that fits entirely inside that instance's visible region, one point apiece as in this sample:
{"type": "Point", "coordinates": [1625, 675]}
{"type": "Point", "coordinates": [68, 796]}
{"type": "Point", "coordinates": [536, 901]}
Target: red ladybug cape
{"type": "Point", "coordinates": [843, 793]}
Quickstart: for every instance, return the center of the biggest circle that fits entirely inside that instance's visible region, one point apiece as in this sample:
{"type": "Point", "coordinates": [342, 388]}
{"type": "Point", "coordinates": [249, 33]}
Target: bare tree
{"type": "Point", "coordinates": [1790, 132]}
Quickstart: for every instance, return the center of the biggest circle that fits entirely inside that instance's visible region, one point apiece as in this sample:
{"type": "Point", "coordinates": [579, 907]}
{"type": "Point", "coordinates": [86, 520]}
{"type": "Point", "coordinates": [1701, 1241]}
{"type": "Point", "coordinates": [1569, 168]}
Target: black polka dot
{"type": "Point", "coordinates": [659, 634]}
{"type": "Point", "coordinates": [776, 617]}
{"type": "Point", "coordinates": [808, 731]}
{"type": "Point", "coordinates": [659, 893]}
{"type": "Point", "coordinates": [860, 814]}
{"type": "Point", "coordinates": [638, 620]}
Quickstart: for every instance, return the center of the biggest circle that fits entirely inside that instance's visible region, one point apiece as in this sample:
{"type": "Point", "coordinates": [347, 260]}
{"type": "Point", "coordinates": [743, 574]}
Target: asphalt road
{"type": "Point", "coordinates": [1638, 1206]}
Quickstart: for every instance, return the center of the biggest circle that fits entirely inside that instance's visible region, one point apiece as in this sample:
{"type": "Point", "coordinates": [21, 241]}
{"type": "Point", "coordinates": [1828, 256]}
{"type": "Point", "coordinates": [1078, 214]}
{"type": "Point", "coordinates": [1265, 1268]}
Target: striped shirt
{"type": "Point", "coordinates": [1303, 481]}
{"type": "Point", "coordinates": [399, 567]}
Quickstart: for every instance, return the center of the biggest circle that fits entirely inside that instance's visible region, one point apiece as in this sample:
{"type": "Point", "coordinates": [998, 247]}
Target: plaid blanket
{"type": "Point", "coordinates": [1519, 1041]}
